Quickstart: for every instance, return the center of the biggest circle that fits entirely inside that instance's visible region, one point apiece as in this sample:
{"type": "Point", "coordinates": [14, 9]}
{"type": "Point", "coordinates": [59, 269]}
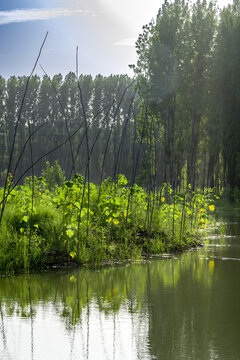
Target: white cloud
{"type": "Point", "coordinates": [13, 16]}
{"type": "Point", "coordinates": [126, 42]}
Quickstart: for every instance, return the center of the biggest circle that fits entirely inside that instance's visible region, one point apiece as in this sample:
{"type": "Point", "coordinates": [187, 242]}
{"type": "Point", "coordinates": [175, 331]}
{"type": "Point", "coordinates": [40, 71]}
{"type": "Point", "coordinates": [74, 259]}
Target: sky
{"type": "Point", "coordinates": [105, 32]}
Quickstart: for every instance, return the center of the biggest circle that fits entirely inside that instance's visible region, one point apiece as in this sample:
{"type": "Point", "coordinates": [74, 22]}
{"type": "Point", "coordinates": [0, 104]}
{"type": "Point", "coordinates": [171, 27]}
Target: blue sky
{"type": "Point", "coordinates": [104, 30]}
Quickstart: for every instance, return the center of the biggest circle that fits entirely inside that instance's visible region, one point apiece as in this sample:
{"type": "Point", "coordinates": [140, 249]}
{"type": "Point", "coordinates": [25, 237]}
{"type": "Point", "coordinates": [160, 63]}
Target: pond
{"type": "Point", "coordinates": [183, 307]}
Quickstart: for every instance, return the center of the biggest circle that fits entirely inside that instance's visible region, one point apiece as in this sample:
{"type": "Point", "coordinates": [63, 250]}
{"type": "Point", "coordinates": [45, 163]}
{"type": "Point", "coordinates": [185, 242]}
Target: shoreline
{"type": "Point", "coordinates": [73, 264]}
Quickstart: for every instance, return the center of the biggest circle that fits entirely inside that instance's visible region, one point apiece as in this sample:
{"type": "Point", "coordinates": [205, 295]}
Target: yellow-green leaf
{"type": "Point", "coordinates": [72, 254]}
{"type": "Point", "coordinates": [25, 218]}
{"type": "Point", "coordinates": [69, 233]}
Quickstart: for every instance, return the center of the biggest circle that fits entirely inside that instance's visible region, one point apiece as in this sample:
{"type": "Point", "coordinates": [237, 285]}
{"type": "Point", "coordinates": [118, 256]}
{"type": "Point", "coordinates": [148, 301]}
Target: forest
{"type": "Point", "coordinates": [171, 131]}
{"type": "Point", "coordinates": [180, 111]}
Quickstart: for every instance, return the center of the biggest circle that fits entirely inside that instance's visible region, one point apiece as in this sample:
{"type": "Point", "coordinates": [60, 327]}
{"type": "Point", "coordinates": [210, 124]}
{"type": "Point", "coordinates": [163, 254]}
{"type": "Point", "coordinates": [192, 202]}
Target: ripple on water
{"type": "Point", "coordinates": [217, 245]}
{"type": "Point", "coordinates": [217, 237]}
{"type": "Point", "coordinates": [224, 258]}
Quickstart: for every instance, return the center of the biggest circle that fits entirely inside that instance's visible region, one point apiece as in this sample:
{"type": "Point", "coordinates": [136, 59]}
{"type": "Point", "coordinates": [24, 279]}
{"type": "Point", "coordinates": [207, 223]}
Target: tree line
{"type": "Point", "coordinates": [89, 123]}
{"type": "Point", "coordinates": [188, 72]}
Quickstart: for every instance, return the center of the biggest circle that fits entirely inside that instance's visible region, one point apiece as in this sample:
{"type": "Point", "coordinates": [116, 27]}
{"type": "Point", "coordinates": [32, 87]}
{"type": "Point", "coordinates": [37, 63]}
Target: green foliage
{"type": "Point", "coordinates": [48, 124]}
{"type": "Point", "coordinates": [79, 223]}
{"type": "Point", "coordinates": [54, 175]}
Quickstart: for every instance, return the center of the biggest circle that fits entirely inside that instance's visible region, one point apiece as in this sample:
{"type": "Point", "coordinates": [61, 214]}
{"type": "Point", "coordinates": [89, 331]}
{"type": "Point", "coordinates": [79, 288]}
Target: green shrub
{"type": "Point", "coordinates": [54, 175]}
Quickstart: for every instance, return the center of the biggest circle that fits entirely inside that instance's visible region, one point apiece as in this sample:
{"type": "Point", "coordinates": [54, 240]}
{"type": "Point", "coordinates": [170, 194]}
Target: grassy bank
{"type": "Point", "coordinates": [45, 225]}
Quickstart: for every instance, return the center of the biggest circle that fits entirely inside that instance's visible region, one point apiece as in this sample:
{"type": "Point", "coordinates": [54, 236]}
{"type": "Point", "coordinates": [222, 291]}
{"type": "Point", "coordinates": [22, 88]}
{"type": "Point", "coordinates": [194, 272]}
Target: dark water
{"type": "Point", "coordinates": [186, 307]}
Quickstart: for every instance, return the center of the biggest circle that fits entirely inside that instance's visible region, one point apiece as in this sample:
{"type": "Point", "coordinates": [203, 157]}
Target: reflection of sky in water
{"type": "Point", "coordinates": [96, 336]}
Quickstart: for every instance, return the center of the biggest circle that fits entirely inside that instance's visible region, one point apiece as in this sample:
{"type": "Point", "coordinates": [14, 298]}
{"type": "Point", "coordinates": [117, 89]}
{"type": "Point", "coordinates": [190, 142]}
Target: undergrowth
{"type": "Point", "coordinates": [77, 222]}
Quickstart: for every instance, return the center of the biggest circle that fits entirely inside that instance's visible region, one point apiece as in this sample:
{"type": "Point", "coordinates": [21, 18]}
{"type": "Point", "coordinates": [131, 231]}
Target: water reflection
{"type": "Point", "coordinates": [184, 308]}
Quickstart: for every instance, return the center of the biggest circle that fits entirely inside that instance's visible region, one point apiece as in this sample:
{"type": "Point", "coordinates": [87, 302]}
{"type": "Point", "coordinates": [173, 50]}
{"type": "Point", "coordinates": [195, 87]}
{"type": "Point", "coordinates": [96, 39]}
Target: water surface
{"type": "Point", "coordinates": [186, 307]}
